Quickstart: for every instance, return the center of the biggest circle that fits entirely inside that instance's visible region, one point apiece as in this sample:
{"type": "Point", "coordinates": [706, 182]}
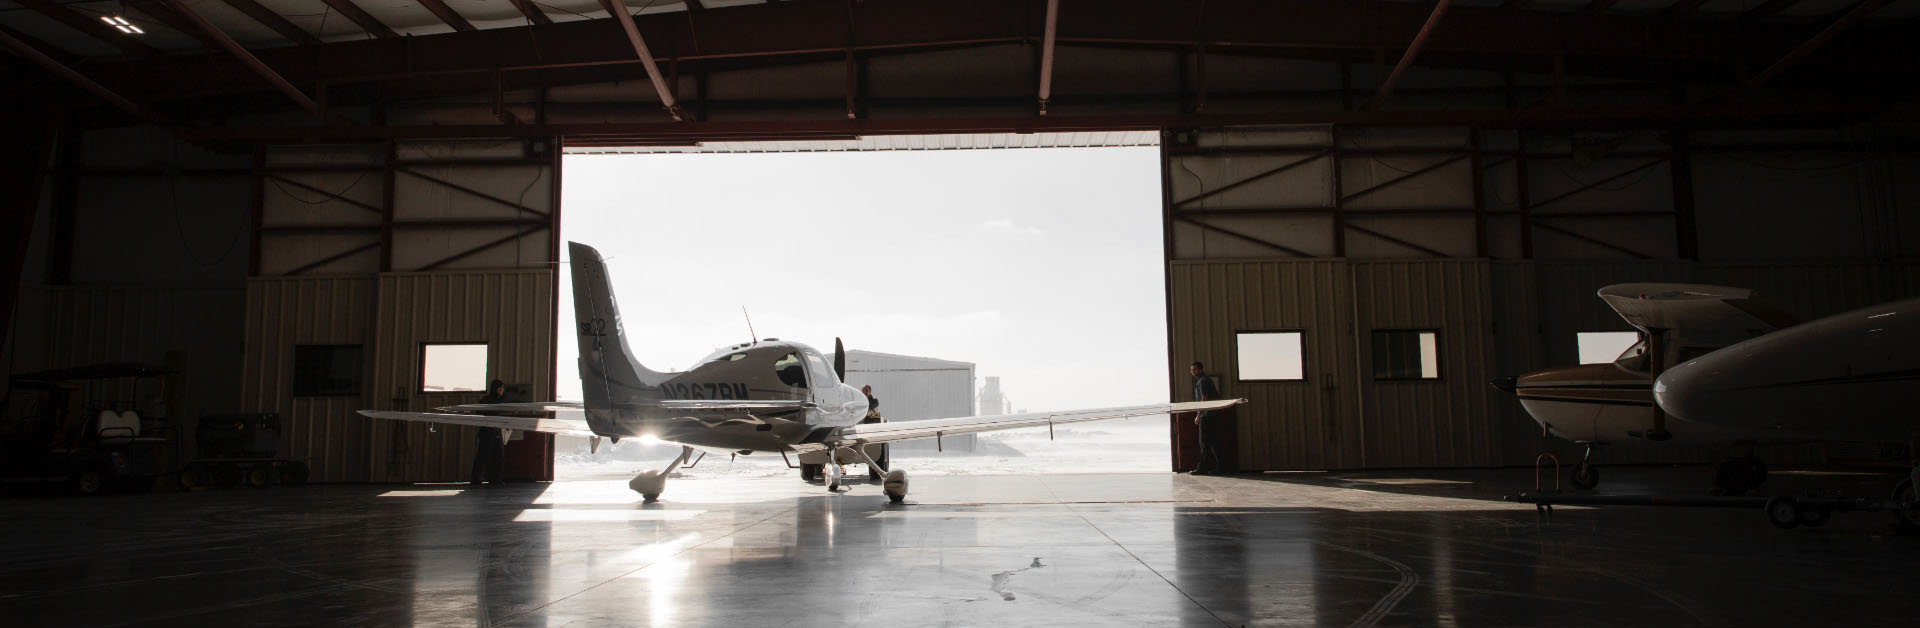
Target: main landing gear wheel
{"type": "Point", "coordinates": [809, 472]}
{"type": "Point", "coordinates": [895, 486]}
{"type": "Point", "coordinates": [1784, 512]}
{"type": "Point", "coordinates": [650, 497]}
{"type": "Point", "coordinates": [1584, 476]}
{"type": "Point", "coordinates": [1815, 516]}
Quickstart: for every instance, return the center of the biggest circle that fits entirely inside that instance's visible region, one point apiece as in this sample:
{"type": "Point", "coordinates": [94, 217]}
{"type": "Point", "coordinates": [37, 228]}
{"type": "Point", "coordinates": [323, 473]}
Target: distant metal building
{"type": "Point", "coordinates": [913, 388]}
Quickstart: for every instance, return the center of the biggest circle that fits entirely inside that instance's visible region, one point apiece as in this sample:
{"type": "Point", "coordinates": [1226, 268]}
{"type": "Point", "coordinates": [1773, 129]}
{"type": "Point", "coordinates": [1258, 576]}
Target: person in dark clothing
{"type": "Point", "coordinates": [1213, 425]}
{"type": "Point", "coordinates": [873, 405]}
{"type": "Point", "coordinates": [490, 460]}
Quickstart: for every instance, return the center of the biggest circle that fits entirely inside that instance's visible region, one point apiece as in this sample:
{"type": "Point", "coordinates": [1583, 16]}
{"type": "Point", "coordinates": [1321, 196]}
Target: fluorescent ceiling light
{"type": "Point", "coordinates": [122, 24]}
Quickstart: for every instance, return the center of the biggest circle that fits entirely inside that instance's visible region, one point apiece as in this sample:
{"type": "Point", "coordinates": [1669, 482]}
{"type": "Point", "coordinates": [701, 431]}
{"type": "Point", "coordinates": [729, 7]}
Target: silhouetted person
{"type": "Point", "coordinates": [490, 460]}
{"type": "Point", "coordinates": [1213, 425]}
{"type": "Point", "coordinates": [873, 405]}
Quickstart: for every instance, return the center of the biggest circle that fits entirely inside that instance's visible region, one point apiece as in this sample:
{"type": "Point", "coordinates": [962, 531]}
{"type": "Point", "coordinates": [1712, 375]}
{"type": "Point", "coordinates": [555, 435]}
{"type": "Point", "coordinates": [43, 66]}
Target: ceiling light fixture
{"type": "Point", "coordinates": [122, 24]}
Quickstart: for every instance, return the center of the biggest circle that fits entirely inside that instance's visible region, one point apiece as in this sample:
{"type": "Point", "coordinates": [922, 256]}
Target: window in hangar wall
{"type": "Point", "coordinates": [1270, 356]}
{"type": "Point", "coordinates": [1602, 347]}
{"type": "Point", "coordinates": [1403, 354]}
{"type": "Point", "coordinates": [453, 367]}
{"type": "Point", "coordinates": [326, 370]}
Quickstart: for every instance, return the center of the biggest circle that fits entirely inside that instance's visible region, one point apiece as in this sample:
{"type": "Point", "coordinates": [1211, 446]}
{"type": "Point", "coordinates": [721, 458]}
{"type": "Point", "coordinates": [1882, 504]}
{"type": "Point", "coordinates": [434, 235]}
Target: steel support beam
{"type": "Point", "coordinates": [480, 249]}
{"type": "Point", "coordinates": [360, 17]}
{"type": "Point", "coordinates": [30, 138]}
{"type": "Point", "coordinates": [266, 17]}
{"type": "Point", "coordinates": [533, 13]}
{"type": "Point", "coordinates": [1381, 95]}
{"type": "Point", "coordinates": [1859, 12]}
{"type": "Point", "coordinates": [1243, 237]}
{"type": "Point", "coordinates": [1046, 53]}
{"type": "Point", "coordinates": [1395, 241]}
{"type": "Point", "coordinates": [240, 52]}
{"type": "Point", "coordinates": [618, 10]}
{"type": "Point", "coordinates": [475, 193]}
{"type": "Point", "coordinates": [1404, 177]}
{"type": "Point", "coordinates": [22, 48]}
{"type": "Point", "coordinates": [448, 15]}
{"type": "Point", "coordinates": [1262, 175]}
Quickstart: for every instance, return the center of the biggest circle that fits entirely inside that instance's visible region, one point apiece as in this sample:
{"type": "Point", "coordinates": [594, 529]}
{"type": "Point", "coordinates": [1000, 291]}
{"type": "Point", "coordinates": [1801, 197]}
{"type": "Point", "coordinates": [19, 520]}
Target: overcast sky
{"type": "Point", "coordinates": [1041, 266]}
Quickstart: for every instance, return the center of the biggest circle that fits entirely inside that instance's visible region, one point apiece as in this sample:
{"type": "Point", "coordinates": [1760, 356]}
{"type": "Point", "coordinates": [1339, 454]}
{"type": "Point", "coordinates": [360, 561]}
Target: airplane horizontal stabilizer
{"type": "Point", "coordinates": [909, 430]}
{"type": "Point", "coordinates": [525, 424]}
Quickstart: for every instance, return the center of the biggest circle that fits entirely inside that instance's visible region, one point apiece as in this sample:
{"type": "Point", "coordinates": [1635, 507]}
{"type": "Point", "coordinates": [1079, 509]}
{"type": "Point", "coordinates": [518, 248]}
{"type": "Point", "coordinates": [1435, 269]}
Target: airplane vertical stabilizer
{"type": "Point", "coordinates": [609, 374]}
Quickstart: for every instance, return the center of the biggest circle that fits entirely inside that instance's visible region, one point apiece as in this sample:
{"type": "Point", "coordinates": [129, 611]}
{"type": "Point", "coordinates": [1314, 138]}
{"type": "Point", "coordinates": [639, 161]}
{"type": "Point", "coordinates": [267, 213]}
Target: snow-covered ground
{"type": "Point", "coordinates": [1125, 446]}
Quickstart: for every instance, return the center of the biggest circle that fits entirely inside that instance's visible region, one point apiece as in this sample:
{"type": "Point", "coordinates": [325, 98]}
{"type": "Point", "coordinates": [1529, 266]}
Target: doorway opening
{"type": "Point", "coordinates": [963, 282]}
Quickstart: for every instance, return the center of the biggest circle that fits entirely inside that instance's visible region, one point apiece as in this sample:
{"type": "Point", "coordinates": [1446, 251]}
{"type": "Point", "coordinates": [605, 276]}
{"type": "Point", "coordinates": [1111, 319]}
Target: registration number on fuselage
{"type": "Point", "coordinates": [704, 390]}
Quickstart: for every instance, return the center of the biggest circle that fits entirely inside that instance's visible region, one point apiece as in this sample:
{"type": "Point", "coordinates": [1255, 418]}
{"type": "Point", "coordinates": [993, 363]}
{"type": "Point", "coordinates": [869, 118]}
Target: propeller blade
{"type": "Point", "coordinates": [839, 359]}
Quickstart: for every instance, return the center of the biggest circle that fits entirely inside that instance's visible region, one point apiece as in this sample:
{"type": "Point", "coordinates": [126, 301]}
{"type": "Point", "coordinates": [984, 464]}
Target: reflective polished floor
{"type": "Point", "coordinates": [1402, 548]}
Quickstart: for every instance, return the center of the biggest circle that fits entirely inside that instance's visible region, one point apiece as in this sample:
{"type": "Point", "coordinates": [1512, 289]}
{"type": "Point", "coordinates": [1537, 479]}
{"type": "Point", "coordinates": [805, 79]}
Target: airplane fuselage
{"type": "Point", "coordinates": [769, 370]}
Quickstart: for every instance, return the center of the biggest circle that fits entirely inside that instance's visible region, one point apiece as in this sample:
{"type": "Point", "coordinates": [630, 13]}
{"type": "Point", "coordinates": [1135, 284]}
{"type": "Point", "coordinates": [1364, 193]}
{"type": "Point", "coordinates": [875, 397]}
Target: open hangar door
{"type": "Point", "coordinates": [1360, 285]}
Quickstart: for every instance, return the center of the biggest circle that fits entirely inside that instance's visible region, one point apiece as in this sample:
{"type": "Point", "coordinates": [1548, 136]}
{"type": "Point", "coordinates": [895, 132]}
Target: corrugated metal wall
{"type": "Point", "coordinates": [510, 310]}
{"type": "Point", "coordinates": [912, 388]}
{"type": "Point", "coordinates": [283, 313]}
{"type": "Point", "coordinates": [392, 316]}
{"type": "Point", "coordinates": [1494, 319]}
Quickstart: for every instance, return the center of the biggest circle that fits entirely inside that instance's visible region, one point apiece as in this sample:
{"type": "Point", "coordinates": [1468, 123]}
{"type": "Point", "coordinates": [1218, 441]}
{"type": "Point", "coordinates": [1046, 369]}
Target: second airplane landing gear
{"type": "Point", "coordinates": [649, 484]}
{"type": "Point", "coordinates": [1583, 475]}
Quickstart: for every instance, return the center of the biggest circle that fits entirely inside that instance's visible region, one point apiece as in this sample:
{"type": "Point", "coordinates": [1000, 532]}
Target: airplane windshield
{"type": "Point", "coordinates": [790, 371]}
{"type": "Point", "coordinates": [823, 373]}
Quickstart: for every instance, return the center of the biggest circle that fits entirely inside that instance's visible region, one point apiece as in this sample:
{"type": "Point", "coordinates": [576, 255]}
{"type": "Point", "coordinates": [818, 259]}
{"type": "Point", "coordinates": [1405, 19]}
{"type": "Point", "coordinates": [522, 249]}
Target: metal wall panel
{"type": "Point", "coordinates": [1438, 423]}
{"type": "Point", "coordinates": [1285, 425]}
{"type": "Point", "coordinates": [281, 314]}
{"type": "Point", "coordinates": [510, 310]}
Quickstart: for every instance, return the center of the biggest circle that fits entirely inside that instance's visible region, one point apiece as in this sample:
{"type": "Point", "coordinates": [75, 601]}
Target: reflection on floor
{"type": "Point", "coordinates": [1398, 548]}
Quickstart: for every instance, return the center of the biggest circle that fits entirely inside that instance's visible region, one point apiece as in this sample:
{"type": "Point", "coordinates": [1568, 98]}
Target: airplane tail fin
{"type": "Point", "coordinates": [609, 373]}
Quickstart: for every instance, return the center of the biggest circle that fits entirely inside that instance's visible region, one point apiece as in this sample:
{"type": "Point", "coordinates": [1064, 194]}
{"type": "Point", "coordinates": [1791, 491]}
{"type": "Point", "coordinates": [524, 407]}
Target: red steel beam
{"type": "Point", "coordinates": [240, 52]}
{"type": "Point", "coordinates": [266, 17]}
{"type": "Point", "coordinates": [618, 9]}
{"type": "Point", "coordinates": [1046, 54]}
{"type": "Point", "coordinates": [533, 13]}
{"type": "Point", "coordinates": [160, 12]}
{"type": "Point", "coordinates": [362, 18]}
{"type": "Point", "coordinates": [1859, 12]}
{"type": "Point", "coordinates": [35, 55]}
{"type": "Point", "coordinates": [1413, 52]}
{"type": "Point", "coordinates": [1699, 115]}
{"type": "Point", "coordinates": [448, 15]}
{"type": "Point", "coordinates": [91, 26]}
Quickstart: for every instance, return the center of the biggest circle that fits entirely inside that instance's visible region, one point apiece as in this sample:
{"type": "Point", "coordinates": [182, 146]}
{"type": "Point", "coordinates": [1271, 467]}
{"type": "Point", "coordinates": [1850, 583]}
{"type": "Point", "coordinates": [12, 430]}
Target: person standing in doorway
{"type": "Point", "coordinates": [1213, 425]}
{"type": "Point", "coordinates": [490, 460]}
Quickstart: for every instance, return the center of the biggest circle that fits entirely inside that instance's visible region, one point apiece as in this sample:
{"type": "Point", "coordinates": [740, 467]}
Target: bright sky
{"type": "Point", "coordinates": [1041, 266]}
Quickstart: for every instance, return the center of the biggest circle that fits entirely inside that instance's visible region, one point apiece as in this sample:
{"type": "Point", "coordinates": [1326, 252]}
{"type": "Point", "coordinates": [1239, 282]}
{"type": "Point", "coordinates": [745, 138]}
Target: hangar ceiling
{"type": "Point", "coordinates": [233, 69]}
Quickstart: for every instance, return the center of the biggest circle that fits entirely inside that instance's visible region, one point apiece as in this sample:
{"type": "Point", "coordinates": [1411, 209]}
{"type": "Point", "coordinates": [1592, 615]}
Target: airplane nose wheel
{"type": "Point", "coordinates": [1584, 476]}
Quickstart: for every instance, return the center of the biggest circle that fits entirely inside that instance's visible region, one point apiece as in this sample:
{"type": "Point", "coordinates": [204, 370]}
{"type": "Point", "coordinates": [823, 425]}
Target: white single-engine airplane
{"type": "Point", "coordinates": [1612, 403]}
{"type": "Point", "coordinates": [766, 396]}
{"type": "Point", "coordinates": [1851, 376]}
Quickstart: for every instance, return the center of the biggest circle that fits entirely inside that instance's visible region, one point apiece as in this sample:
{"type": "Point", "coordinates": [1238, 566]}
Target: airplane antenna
{"type": "Point", "coordinates": [752, 338]}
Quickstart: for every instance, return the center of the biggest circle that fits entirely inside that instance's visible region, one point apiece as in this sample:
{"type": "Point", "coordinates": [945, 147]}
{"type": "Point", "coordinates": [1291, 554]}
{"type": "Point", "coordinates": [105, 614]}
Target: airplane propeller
{"type": "Point", "coordinates": [839, 360]}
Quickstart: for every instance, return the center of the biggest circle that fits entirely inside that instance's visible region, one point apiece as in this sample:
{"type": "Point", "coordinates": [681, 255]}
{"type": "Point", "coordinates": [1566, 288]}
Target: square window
{"type": "Point", "coordinates": [1406, 354]}
{"type": "Point", "coordinates": [453, 367]}
{"type": "Point", "coordinates": [1270, 356]}
{"type": "Point", "coordinates": [326, 370]}
{"type": "Point", "coordinates": [1603, 347]}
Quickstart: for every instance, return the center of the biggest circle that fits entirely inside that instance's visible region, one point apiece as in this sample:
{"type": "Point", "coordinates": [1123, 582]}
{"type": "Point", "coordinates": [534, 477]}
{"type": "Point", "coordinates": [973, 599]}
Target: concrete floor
{"type": "Point", "coordinates": [1389, 549]}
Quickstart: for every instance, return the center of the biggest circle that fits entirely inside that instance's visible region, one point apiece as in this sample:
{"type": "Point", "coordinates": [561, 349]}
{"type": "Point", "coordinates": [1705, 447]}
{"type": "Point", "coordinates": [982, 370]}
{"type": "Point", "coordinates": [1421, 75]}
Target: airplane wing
{"type": "Point", "coordinates": [1694, 309]}
{"type": "Point", "coordinates": [909, 430]}
{"type": "Point", "coordinates": [567, 427]}
{"type": "Point", "coordinates": [670, 404]}
{"type": "Point", "coordinates": [535, 406]}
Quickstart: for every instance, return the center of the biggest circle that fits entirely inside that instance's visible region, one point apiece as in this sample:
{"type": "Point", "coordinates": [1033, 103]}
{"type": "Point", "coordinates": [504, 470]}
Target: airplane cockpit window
{"type": "Point", "coordinates": [736, 357]}
{"type": "Point", "coordinates": [823, 375]}
{"type": "Point", "coordinates": [790, 371]}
